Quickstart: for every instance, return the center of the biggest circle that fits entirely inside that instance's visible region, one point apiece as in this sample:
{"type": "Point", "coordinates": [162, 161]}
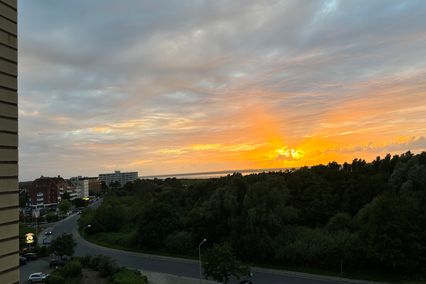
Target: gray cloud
{"type": "Point", "coordinates": [186, 70]}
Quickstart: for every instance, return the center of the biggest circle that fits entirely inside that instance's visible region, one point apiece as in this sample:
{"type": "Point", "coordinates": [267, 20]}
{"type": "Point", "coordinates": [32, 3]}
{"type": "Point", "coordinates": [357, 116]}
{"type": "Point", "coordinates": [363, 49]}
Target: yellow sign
{"type": "Point", "coordinates": [29, 238]}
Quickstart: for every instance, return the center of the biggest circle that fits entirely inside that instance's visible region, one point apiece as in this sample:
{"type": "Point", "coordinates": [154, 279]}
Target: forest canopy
{"type": "Point", "coordinates": [360, 215]}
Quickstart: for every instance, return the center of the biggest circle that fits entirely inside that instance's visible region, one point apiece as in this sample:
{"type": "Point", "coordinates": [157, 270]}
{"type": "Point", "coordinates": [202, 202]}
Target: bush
{"type": "Point", "coordinates": [107, 267]}
{"type": "Point", "coordinates": [42, 251]}
{"type": "Point", "coordinates": [85, 261]}
{"type": "Point", "coordinates": [72, 269]}
{"type": "Point", "coordinates": [129, 276]}
{"type": "Point", "coordinates": [179, 242]}
{"type": "Point", "coordinates": [55, 278]}
{"type": "Point", "coordinates": [51, 217]}
{"type": "Point", "coordinates": [104, 264]}
{"type": "Point", "coordinates": [94, 262]}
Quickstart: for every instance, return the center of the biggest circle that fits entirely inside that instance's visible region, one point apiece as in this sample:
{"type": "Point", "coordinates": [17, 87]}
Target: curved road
{"type": "Point", "coordinates": [178, 266]}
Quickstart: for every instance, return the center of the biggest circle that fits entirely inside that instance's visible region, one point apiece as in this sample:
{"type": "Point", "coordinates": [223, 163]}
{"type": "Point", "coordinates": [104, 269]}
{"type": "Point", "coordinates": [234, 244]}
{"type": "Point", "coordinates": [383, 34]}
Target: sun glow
{"type": "Point", "coordinates": [286, 153]}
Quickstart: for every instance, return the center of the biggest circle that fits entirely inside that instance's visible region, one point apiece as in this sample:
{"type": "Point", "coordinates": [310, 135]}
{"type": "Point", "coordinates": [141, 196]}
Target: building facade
{"type": "Point", "coordinates": [86, 186]}
{"type": "Point", "coordinates": [9, 204]}
{"type": "Point", "coordinates": [47, 191]}
{"type": "Point", "coordinates": [118, 177]}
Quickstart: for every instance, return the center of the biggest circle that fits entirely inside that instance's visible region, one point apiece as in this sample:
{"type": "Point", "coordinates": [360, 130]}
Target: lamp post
{"type": "Point", "coordinates": [199, 254]}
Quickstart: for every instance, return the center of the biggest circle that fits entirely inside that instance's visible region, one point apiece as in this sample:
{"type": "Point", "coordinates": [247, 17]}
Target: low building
{"type": "Point", "coordinates": [118, 178]}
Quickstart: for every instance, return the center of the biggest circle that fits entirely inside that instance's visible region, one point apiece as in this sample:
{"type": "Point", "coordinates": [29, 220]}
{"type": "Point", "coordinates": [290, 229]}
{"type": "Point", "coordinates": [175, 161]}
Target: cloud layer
{"type": "Point", "coordinates": [186, 86]}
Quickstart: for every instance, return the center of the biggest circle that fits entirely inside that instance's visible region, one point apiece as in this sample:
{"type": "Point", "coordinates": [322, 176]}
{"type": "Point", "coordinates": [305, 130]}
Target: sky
{"type": "Point", "coordinates": [163, 87]}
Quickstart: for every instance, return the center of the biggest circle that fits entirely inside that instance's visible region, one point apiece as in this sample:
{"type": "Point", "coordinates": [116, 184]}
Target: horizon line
{"type": "Point", "coordinates": [220, 172]}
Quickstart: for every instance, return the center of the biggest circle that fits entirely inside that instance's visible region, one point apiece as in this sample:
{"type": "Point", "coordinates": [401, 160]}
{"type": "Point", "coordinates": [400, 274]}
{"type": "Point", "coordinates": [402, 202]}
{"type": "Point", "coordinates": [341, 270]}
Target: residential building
{"type": "Point", "coordinates": [95, 186]}
{"type": "Point", "coordinates": [86, 185]}
{"type": "Point", "coordinates": [118, 177]}
{"type": "Point", "coordinates": [9, 204]}
{"type": "Point", "coordinates": [48, 191]}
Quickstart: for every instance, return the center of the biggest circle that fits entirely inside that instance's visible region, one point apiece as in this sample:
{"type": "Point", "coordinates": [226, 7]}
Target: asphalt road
{"type": "Point", "coordinates": [39, 265]}
{"type": "Point", "coordinates": [176, 266]}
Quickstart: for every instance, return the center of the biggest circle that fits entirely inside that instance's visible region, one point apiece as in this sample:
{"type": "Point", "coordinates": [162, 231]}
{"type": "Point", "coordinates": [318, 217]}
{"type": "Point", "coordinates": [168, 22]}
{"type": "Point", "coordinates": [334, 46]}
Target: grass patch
{"type": "Point", "coordinates": [102, 239]}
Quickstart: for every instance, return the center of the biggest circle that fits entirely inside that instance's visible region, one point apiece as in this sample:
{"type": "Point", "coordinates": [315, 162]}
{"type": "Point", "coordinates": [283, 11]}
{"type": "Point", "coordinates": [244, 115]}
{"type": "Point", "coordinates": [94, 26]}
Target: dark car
{"type": "Point", "coordinates": [30, 256]}
{"type": "Point", "coordinates": [56, 263]}
{"type": "Point", "coordinates": [22, 260]}
{"type": "Point", "coordinates": [47, 241]}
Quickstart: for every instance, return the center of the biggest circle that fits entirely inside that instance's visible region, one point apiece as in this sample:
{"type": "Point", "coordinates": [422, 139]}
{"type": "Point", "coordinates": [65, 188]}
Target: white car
{"type": "Point", "coordinates": [37, 277]}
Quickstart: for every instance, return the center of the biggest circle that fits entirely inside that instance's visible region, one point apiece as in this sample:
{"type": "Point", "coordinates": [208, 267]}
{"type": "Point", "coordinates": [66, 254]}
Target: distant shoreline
{"type": "Point", "coordinates": [214, 174]}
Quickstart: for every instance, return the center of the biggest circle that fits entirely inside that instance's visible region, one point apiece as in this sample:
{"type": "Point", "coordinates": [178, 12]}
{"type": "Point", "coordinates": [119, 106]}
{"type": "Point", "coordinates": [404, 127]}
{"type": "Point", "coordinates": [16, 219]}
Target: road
{"type": "Point", "coordinates": [176, 266]}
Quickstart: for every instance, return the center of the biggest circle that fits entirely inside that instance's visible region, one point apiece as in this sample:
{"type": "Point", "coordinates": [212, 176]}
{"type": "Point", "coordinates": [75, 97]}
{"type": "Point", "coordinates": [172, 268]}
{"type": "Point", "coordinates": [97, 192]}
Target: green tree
{"type": "Point", "coordinates": [157, 222]}
{"type": "Point", "coordinates": [51, 217]}
{"type": "Point", "coordinates": [72, 269]}
{"type": "Point", "coordinates": [23, 199]}
{"type": "Point", "coordinates": [180, 242]}
{"type": "Point", "coordinates": [220, 263]}
{"type": "Point", "coordinates": [390, 234]}
{"type": "Point", "coordinates": [79, 202]}
{"type": "Point", "coordinates": [64, 206]}
{"type": "Point", "coordinates": [66, 196]}
{"type": "Point", "coordinates": [63, 245]}
{"type": "Point", "coordinates": [109, 217]}
{"type": "Point", "coordinates": [339, 222]}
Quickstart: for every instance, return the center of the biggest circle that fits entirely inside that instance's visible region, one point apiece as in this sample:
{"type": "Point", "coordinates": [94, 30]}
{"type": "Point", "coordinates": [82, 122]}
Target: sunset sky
{"type": "Point", "coordinates": [165, 87]}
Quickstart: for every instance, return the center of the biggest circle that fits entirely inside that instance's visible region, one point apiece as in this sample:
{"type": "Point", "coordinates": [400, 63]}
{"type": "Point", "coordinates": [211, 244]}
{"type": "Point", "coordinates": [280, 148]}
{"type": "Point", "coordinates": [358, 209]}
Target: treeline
{"type": "Point", "coordinates": [353, 216]}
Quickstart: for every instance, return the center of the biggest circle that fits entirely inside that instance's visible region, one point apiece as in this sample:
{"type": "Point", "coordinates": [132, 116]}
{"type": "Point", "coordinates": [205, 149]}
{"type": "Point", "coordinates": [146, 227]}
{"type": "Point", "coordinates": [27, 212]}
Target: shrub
{"type": "Point", "coordinates": [43, 251]}
{"type": "Point", "coordinates": [85, 261]}
{"type": "Point", "coordinates": [179, 242]}
{"type": "Point", "coordinates": [129, 276]}
{"type": "Point", "coordinates": [51, 217]}
{"type": "Point", "coordinates": [94, 262]}
{"type": "Point", "coordinates": [105, 265]}
{"type": "Point", "coordinates": [55, 278]}
{"type": "Point", "coordinates": [72, 269]}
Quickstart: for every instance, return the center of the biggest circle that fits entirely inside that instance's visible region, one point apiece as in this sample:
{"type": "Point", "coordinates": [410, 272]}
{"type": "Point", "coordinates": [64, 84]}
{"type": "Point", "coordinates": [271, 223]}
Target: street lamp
{"type": "Point", "coordinates": [199, 254]}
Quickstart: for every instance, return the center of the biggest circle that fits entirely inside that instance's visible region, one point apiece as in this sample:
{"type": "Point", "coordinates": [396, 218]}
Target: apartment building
{"type": "Point", "coordinates": [47, 191]}
{"type": "Point", "coordinates": [118, 177]}
{"type": "Point", "coordinates": [9, 211]}
{"type": "Point", "coordinates": [86, 185]}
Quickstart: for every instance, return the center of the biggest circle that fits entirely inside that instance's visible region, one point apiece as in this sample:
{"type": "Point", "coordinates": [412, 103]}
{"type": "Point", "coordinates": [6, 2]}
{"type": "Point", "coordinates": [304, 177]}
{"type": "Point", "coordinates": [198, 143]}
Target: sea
{"type": "Point", "coordinates": [216, 174]}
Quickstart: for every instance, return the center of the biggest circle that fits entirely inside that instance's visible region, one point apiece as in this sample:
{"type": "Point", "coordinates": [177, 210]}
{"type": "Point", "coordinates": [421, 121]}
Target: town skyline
{"type": "Point", "coordinates": [172, 87]}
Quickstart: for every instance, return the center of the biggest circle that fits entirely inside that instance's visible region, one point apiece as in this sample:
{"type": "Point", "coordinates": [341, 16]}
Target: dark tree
{"type": "Point", "coordinates": [220, 264]}
{"type": "Point", "coordinates": [63, 245]}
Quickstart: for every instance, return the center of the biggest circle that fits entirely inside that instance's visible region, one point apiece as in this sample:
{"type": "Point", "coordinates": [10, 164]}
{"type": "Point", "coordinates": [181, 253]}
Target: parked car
{"type": "Point", "coordinates": [30, 256]}
{"type": "Point", "coordinates": [37, 277]}
{"type": "Point", "coordinates": [55, 263]}
{"type": "Point", "coordinates": [22, 260]}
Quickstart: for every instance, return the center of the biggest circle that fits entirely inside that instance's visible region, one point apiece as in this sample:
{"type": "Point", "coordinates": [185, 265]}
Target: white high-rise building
{"type": "Point", "coordinates": [118, 177]}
